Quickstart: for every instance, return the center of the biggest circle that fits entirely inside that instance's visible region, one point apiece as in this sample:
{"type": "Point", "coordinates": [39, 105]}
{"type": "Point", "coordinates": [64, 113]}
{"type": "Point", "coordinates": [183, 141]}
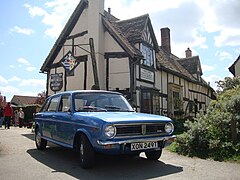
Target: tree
{"type": "Point", "coordinates": [227, 83]}
{"type": "Point", "coordinates": [41, 98]}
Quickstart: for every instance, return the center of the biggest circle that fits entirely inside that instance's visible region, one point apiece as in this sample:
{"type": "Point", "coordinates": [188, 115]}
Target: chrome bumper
{"type": "Point", "coordinates": [164, 138]}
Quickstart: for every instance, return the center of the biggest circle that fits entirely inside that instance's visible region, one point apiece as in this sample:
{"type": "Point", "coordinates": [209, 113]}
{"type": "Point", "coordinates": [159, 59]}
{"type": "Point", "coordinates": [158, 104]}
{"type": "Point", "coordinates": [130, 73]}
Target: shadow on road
{"type": "Point", "coordinates": [107, 167]}
{"type": "Point", "coordinates": [29, 136]}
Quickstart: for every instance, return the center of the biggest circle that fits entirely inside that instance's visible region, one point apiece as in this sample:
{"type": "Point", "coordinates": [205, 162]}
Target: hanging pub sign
{"type": "Point", "coordinates": [56, 81]}
{"type": "Point", "coordinates": [69, 62]}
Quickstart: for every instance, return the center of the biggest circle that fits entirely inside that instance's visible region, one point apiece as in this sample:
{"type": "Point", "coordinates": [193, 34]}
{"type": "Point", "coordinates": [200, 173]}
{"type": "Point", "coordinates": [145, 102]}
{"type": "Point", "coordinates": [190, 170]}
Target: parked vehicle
{"type": "Point", "coordinates": [95, 121]}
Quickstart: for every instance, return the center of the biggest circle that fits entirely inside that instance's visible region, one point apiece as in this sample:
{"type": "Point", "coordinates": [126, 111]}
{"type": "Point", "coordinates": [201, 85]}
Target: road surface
{"type": "Point", "coordinates": [20, 160]}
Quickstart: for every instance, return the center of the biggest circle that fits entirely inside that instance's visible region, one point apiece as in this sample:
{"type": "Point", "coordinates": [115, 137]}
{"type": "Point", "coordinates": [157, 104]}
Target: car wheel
{"type": "Point", "coordinates": [86, 153]}
{"type": "Point", "coordinates": [40, 142]}
{"type": "Point", "coordinates": [153, 155]}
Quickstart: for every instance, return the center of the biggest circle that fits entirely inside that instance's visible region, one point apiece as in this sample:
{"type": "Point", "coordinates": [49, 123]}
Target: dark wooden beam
{"type": "Point", "coordinates": [115, 55]}
{"type": "Point", "coordinates": [77, 35]}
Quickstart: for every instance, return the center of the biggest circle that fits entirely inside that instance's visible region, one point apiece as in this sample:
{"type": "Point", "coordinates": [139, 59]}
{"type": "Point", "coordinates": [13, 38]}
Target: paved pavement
{"type": "Point", "coordinates": [20, 160]}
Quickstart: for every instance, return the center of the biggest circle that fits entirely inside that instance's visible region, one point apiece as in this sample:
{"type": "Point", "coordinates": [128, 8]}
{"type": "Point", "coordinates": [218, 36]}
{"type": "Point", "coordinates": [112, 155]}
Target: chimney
{"type": "Point", "coordinates": [109, 10]}
{"type": "Point", "coordinates": [188, 53]}
{"type": "Point", "coordinates": [165, 39]}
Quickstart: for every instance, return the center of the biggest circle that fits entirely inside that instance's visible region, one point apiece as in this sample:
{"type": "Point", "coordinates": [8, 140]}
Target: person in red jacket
{"type": "Point", "coordinates": [8, 114]}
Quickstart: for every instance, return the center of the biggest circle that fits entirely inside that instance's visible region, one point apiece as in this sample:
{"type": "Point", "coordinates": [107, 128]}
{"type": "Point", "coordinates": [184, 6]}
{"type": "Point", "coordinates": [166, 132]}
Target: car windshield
{"type": "Point", "coordinates": [100, 102]}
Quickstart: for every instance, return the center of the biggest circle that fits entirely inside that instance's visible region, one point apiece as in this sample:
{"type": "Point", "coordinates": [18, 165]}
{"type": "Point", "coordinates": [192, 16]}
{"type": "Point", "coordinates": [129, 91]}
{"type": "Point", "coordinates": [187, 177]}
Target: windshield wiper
{"type": "Point", "coordinates": [115, 108]}
{"type": "Point", "coordinates": [91, 109]}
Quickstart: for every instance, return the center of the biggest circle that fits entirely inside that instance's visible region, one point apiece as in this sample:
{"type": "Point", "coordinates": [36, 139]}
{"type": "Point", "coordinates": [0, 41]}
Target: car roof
{"type": "Point", "coordinates": [85, 91]}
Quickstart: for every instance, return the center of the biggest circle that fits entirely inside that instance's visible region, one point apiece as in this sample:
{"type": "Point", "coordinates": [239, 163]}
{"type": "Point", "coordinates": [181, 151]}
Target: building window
{"type": "Point", "coordinates": [147, 52]}
{"type": "Point", "coordinates": [146, 102]}
{"type": "Point", "coordinates": [176, 101]}
{"type": "Point", "coordinates": [156, 104]}
{"type": "Point", "coordinates": [150, 102]}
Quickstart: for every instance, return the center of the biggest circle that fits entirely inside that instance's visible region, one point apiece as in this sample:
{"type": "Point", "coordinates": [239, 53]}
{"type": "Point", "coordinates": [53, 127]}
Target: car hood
{"type": "Point", "coordinates": [125, 116]}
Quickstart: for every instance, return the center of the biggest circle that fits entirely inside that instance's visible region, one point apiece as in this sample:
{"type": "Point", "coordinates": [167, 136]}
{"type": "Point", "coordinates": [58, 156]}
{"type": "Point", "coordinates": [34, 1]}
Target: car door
{"type": "Point", "coordinates": [63, 119]}
{"type": "Point", "coordinates": [48, 118]}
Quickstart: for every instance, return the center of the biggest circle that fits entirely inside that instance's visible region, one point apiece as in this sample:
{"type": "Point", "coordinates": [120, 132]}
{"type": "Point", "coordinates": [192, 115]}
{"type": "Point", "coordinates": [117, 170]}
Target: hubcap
{"type": "Point", "coordinates": [81, 151]}
{"type": "Point", "coordinates": [38, 139]}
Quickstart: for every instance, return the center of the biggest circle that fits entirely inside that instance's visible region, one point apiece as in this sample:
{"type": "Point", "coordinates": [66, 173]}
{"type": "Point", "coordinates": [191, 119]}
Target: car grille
{"type": "Point", "coordinates": [140, 130]}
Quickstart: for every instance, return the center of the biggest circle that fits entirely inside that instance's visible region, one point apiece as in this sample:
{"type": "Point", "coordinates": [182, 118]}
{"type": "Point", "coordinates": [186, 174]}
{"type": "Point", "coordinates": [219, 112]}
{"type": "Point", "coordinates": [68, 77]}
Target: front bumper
{"type": "Point", "coordinates": [164, 138]}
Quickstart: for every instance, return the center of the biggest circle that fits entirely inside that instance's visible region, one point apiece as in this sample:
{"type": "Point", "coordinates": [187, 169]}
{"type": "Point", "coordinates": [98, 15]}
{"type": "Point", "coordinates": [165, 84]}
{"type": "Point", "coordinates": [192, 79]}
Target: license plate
{"type": "Point", "coordinates": [143, 145]}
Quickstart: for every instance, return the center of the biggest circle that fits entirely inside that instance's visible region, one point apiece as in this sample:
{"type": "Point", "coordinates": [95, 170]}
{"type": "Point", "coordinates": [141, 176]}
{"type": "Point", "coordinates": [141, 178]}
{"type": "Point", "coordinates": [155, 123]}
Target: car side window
{"type": "Point", "coordinates": [64, 105]}
{"type": "Point", "coordinates": [45, 106]}
{"type": "Point", "coordinates": [53, 104]}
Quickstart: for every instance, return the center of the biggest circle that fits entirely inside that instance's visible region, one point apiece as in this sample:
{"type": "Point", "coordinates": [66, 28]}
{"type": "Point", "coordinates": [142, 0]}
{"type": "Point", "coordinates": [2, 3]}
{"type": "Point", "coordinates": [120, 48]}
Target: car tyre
{"type": "Point", "coordinates": [153, 155]}
{"type": "Point", "coordinates": [40, 142]}
{"type": "Point", "coordinates": [86, 153]}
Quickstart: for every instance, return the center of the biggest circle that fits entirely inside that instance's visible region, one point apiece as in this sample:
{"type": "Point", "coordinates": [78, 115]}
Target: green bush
{"type": "Point", "coordinates": [179, 126]}
{"type": "Point", "coordinates": [209, 135]}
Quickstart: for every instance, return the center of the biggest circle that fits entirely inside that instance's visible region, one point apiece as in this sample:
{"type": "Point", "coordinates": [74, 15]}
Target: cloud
{"type": "Point", "coordinates": [3, 80]}
{"type": "Point", "coordinates": [14, 79]}
{"type": "Point", "coordinates": [23, 61]}
{"type": "Point", "coordinates": [31, 68]}
{"type": "Point", "coordinates": [35, 11]}
{"type": "Point", "coordinates": [212, 80]}
{"type": "Point", "coordinates": [9, 91]}
{"type": "Point", "coordinates": [223, 55]}
{"type": "Point", "coordinates": [228, 37]}
{"type": "Point", "coordinates": [221, 16]}
{"type": "Point", "coordinates": [25, 31]}
{"type": "Point", "coordinates": [152, 6]}
{"type": "Point", "coordinates": [33, 83]}
{"type": "Point", "coordinates": [55, 19]}
{"type": "Point", "coordinates": [183, 17]}
{"type": "Point", "coordinates": [207, 68]}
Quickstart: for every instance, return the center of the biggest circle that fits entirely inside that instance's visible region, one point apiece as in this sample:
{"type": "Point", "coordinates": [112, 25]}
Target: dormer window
{"type": "Point", "coordinates": [148, 54]}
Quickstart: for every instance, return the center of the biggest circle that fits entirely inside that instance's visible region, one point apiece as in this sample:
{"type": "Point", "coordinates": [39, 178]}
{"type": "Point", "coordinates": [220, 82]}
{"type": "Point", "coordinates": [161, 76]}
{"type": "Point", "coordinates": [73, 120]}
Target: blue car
{"type": "Point", "coordinates": [95, 121]}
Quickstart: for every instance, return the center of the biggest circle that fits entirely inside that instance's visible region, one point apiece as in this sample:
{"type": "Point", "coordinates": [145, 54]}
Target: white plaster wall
{"type": "Point", "coordinates": [170, 78]}
{"type": "Point", "coordinates": [176, 80]}
{"type": "Point", "coordinates": [165, 83]}
{"type": "Point", "coordinates": [237, 68]}
{"type": "Point", "coordinates": [77, 81]}
{"type": "Point", "coordinates": [111, 45]}
{"type": "Point", "coordinates": [119, 74]}
{"type": "Point", "coordinates": [158, 80]}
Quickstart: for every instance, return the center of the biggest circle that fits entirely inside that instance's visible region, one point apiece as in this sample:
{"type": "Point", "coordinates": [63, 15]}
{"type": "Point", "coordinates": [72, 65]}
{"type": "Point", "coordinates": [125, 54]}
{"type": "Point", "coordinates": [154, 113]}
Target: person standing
{"type": "Point", "coordinates": [8, 114]}
{"type": "Point", "coordinates": [21, 117]}
{"type": "Point", "coordinates": [1, 116]}
{"type": "Point", "coordinates": [16, 118]}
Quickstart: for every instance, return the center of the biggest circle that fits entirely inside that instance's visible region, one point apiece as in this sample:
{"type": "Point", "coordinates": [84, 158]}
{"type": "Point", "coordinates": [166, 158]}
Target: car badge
{"type": "Point", "coordinates": [144, 129]}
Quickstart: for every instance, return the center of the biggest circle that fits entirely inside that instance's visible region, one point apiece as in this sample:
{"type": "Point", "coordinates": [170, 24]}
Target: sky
{"type": "Point", "coordinates": [29, 28]}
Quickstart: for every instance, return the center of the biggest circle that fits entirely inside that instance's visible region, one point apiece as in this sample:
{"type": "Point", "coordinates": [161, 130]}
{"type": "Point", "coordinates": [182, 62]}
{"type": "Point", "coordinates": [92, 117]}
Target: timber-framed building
{"type": "Point", "coordinates": [97, 50]}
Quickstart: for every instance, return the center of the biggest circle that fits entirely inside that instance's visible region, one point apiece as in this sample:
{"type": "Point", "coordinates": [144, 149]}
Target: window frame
{"type": "Point", "coordinates": [149, 62]}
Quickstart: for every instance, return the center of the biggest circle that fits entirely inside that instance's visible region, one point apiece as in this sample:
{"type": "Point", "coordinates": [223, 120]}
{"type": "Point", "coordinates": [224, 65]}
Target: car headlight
{"type": "Point", "coordinates": [169, 128]}
{"type": "Point", "coordinates": [110, 131]}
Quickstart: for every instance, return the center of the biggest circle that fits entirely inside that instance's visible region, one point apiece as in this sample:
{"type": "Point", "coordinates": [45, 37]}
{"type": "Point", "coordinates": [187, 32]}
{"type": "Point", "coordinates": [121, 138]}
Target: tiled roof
{"type": "Point", "coordinates": [114, 30]}
{"type": "Point", "coordinates": [23, 100]}
{"type": "Point", "coordinates": [170, 62]}
{"type": "Point", "coordinates": [110, 16]}
{"type": "Point", "coordinates": [191, 64]}
{"type": "Point", "coordinates": [131, 31]}
{"type": "Point", "coordinates": [133, 28]}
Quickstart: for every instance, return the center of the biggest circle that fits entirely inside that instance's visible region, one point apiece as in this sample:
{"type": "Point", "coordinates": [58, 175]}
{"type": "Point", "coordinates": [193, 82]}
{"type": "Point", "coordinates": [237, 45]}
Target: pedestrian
{"type": "Point", "coordinates": [1, 116]}
{"type": "Point", "coordinates": [21, 117]}
{"type": "Point", "coordinates": [8, 114]}
{"type": "Point", "coordinates": [16, 118]}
